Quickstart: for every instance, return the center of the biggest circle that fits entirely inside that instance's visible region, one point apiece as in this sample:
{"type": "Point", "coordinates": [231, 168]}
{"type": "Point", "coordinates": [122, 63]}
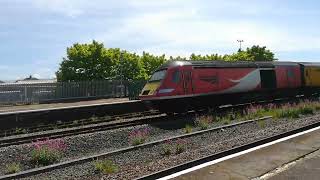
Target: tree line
{"type": "Point", "coordinates": [92, 61]}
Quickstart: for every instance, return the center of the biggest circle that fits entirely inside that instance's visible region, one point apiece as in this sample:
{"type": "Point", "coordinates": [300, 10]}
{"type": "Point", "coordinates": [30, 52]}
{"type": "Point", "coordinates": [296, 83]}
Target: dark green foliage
{"type": "Point", "coordinates": [260, 53]}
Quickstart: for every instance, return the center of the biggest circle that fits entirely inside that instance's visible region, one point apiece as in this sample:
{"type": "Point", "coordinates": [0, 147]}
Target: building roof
{"type": "Point", "coordinates": [25, 82]}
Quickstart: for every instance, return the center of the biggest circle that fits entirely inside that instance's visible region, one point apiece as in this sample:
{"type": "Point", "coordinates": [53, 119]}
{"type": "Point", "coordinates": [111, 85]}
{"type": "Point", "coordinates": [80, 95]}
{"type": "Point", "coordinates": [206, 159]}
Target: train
{"type": "Point", "coordinates": [179, 86]}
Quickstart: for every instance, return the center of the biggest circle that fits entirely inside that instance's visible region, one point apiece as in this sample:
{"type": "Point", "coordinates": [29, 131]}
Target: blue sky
{"type": "Point", "coordinates": [34, 34]}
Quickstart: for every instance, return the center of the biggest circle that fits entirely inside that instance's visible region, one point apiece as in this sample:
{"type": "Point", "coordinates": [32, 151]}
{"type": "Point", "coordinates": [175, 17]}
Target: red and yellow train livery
{"type": "Point", "coordinates": [185, 85]}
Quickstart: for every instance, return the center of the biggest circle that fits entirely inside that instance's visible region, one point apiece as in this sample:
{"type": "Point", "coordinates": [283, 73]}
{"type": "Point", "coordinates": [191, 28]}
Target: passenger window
{"type": "Point", "coordinates": [176, 76]}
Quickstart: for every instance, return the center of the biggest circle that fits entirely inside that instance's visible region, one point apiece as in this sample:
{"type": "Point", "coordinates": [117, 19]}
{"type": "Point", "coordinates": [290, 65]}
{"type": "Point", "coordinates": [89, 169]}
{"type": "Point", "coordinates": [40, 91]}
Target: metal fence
{"type": "Point", "coordinates": [18, 93]}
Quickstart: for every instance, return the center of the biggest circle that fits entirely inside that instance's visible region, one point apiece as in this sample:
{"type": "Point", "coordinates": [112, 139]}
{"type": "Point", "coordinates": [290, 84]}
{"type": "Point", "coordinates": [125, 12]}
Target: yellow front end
{"type": "Point", "coordinates": [150, 88]}
{"type": "Point", "coordinates": [312, 76]}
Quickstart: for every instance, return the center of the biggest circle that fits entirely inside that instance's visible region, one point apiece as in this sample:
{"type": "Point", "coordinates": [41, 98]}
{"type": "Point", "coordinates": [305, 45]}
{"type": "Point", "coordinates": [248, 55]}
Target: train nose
{"type": "Point", "coordinates": [150, 89]}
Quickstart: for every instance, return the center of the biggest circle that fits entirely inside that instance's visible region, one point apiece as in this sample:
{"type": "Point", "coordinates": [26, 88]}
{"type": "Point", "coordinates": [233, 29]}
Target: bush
{"type": "Point", "coordinates": [181, 146]}
{"type": "Point", "coordinates": [139, 136]}
{"type": "Point", "coordinates": [167, 148]}
{"type": "Point", "coordinates": [13, 168]}
{"type": "Point", "coordinates": [204, 122]}
{"type": "Point", "coordinates": [106, 167]}
{"type": "Point", "coordinates": [47, 152]}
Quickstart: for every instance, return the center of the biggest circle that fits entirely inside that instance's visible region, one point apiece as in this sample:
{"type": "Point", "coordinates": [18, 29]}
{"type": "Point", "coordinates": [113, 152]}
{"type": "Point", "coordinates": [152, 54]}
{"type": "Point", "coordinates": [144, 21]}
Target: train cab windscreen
{"type": "Point", "coordinates": [158, 76]}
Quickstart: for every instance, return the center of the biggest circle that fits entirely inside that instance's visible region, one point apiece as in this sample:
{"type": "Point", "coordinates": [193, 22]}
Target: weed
{"type": "Point", "coordinates": [94, 118]}
{"type": "Point", "coordinates": [20, 131]}
{"type": "Point", "coordinates": [181, 146]}
{"type": "Point", "coordinates": [262, 124]}
{"type": "Point", "coordinates": [204, 122]}
{"type": "Point", "coordinates": [105, 166]}
{"type": "Point", "coordinates": [47, 152]}
{"type": "Point", "coordinates": [226, 120]}
{"type": "Point", "coordinates": [167, 148]}
{"type": "Point", "coordinates": [13, 168]}
{"type": "Point", "coordinates": [188, 128]}
{"type": "Point", "coordinates": [138, 136]}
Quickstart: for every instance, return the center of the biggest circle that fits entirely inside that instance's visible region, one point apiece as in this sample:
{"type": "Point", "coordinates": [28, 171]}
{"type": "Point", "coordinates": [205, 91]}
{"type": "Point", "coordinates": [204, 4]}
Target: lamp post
{"type": "Point", "coordinates": [240, 43]}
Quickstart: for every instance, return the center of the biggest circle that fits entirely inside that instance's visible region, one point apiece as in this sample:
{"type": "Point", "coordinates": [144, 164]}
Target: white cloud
{"type": "Point", "coordinates": [71, 8]}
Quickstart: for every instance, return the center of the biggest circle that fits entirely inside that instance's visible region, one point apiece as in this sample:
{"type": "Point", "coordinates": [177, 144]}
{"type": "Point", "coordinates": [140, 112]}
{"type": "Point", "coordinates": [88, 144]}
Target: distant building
{"type": "Point", "coordinates": [33, 80]}
{"type": "Point", "coordinates": [1, 82]}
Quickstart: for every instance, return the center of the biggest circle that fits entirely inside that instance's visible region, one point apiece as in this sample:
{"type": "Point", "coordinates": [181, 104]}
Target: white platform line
{"type": "Point", "coordinates": [237, 154]}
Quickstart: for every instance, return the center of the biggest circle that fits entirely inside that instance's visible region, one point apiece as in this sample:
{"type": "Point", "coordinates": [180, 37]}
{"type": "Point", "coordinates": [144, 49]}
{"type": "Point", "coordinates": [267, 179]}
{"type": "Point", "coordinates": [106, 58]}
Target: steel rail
{"type": "Point", "coordinates": [190, 164]}
{"type": "Point", "coordinates": [28, 138]}
{"type": "Point", "coordinates": [75, 123]}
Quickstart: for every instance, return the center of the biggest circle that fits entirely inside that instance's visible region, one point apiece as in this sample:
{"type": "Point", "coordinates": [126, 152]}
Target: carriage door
{"type": "Point", "coordinates": [268, 79]}
{"type": "Point", "coordinates": [187, 80]}
{"type": "Point", "coordinates": [291, 78]}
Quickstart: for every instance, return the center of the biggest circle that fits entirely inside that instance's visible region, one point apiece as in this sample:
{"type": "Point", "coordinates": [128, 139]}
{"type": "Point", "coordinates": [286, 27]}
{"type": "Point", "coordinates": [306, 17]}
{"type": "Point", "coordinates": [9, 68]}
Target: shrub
{"type": "Point", "coordinates": [305, 110]}
{"type": "Point", "coordinates": [138, 136]}
{"type": "Point", "coordinates": [48, 151]}
{"type": "Point", "coordinates": [226, 120]}
{"type": "Point", "coordinates": [204, 122]}
{"type": "Point", "coordinates": [13, 168]}
{"type": "Point", "coordinates": [188, 128]}
{"type": "Point", "coordinates": [167, 148]}
{"type": "Point", "coordinates": [181, 146]}
{"type": "Point", "coordinates": [106, 167]}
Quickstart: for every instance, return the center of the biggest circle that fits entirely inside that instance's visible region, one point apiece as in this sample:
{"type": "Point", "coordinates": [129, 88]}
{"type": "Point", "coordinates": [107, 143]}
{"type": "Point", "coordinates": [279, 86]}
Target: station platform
{"type": "Point", "coordinates": [295, 158]}
{"type": "Point", "coordinates": [59, 105]}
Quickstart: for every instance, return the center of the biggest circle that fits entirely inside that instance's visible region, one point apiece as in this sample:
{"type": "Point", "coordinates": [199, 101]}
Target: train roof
{"type": "Point", "coordinates": [308, 64]}
{"type": "Point", "coordinates": [241, 64]}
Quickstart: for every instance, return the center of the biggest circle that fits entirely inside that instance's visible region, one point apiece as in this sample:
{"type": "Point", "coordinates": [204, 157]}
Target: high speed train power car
{"type": "Point", "coordinates": [187, 85]}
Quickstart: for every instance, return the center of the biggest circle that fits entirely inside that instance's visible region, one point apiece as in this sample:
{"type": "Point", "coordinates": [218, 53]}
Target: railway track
{"type": "Point", "coordinates": [112, 122]}
{"type": "Point", "coordinates": [129, 121]}
{"type": "Point", "coordinates": [176, 168]}
{"type": "Point", "coordinates": [76, 123]}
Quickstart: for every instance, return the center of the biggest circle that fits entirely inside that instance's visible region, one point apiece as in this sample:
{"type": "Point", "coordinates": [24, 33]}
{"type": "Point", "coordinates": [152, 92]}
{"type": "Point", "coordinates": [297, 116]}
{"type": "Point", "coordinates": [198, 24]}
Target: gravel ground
{"type": "Point", "coordinates": [143, 161]}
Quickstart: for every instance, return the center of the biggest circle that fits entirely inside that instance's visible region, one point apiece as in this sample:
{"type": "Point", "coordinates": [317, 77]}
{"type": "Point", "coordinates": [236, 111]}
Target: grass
{"type": "Point", "coordinates": [105, 167]}
{"type": "Point", "coordinates": [262, 124]}
{"type": "Point", "coordinates": [167, 148]}
{"type": "Point", "coordinates": [139, 136]}
{"type": "Point", "coordinates": [13, 168]}
{"type": "Point", "coordinates": [181, 146]}
{"type": "Point", "coordinates": [204, 122]}
{"type": "Point", "coordinates": [285, 111]}
{"type": "Point", "coordinates": [20, 131]}
{"type": "Point", "coordinates": [47, 152]}
{"type": "Point", "coordinates": [178, 146]}
{"type": "Point", "coordinates": [188, 129]}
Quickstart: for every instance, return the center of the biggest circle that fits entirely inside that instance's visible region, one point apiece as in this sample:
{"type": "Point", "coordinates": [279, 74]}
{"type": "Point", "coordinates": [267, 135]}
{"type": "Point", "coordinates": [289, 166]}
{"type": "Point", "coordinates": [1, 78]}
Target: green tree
{"type": "Point", "coordinates": [260, 53]}
{"type": "Point", "coordinates": [85, 62]}
{"type": "Point", "coordinates": [208, 57]}
{"type": "Point", "coordinates": [128, 67]}
{"type": "Point", "coordinates": [151, 63]}
{"type": "Point", "coordinates": [239, 56]}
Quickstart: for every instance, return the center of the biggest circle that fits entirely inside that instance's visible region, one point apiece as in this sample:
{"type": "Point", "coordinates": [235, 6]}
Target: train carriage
{"type": "Point", "coordinates": [185, 85]}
